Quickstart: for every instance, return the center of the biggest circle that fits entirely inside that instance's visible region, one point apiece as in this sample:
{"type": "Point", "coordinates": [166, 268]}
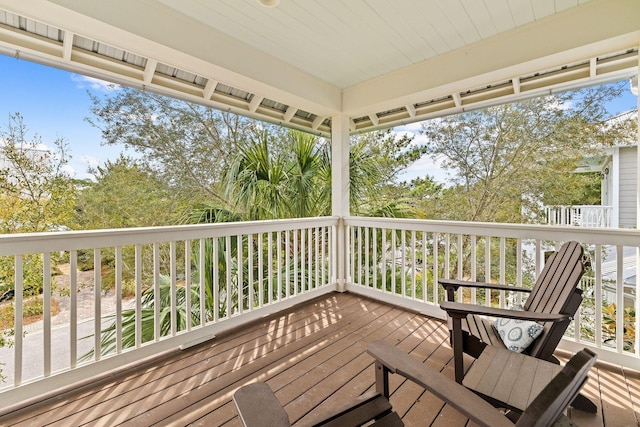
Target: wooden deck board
{"type": "Point", "coordinates": [314, 358]}
{"type": "Point", "coordinates": [633, 382]}
{"type": "Point", "coordinates": [616, 402]}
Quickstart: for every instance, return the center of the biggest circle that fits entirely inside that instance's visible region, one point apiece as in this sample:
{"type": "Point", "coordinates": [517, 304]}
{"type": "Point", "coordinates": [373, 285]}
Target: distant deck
{"type": "Point", "coordinates": [314, 357]}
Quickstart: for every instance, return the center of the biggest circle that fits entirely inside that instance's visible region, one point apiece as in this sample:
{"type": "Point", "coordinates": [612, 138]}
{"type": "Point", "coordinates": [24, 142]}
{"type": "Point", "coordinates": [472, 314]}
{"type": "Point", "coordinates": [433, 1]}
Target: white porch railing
{"type": "Point", "coordinates": [283, 263]}
{"type": "Point", "coordinates": [580, 216]}
{"type": "Point", "coordinates": [400, 260]}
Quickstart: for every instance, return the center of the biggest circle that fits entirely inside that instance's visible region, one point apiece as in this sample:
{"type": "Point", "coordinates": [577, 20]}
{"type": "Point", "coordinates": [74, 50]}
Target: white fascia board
{"type": "Point", "coordinates": [595, 28]}
{"type": "Point", "coordinates": [154, 31]}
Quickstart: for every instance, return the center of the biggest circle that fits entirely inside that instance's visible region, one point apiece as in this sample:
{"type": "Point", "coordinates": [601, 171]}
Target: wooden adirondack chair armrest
{"type": "Point", "coordinates": [461, 310]}
{"type": "Point", "coordinates": [455, 284]}
{"type": "Point", "coordinates": [463, 400]}
{"type": "Point", "coordinates": [258, 406]}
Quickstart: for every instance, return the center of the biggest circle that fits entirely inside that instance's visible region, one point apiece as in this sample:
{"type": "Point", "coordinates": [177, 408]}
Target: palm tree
{"type": "Point", "coordinates": [147, 331]}
{"type": "Point", "coordinates": [285, 179]}
{"type": "Point", "coordinates": [271, 178]}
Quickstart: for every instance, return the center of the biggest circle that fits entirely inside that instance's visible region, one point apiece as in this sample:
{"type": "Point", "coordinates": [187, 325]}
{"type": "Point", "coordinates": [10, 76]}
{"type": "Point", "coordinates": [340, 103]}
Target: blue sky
{"type": "Point", "coordinates": [55, 103]}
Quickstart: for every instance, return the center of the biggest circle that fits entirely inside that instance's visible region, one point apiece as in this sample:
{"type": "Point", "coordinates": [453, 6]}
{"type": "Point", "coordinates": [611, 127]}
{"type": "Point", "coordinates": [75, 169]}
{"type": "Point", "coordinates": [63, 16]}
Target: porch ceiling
{"type": "Point", "coordinates": [299, 64]}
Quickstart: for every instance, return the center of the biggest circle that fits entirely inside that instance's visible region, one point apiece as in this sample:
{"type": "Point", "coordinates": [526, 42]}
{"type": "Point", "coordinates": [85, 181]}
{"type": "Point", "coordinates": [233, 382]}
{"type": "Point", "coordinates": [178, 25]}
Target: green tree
{"type": "Point", "coordinates": [421, 192]}
{"type": "Point", "coordinates": [375, 163]}
{"type": "Point", "coordinates": [272, 179]}
{"type": "Point", "coordinates": [187, 146]}
{"type": "Point", "coordinates": [505, 161]}
{"type": "Point", "coordinates": [126, 193]}
{"type": "Point", "coordinates": [37, 194]}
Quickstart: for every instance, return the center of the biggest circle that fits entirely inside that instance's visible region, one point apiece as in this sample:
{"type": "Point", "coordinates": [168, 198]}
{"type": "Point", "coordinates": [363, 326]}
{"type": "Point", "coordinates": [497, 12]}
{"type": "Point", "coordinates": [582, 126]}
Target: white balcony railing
{"type": "Point", "coordinates": [283, 263]}
{"type": "Point", "coordinates": [399, 260]}
{"type": "Point", "coordinates": [580, 216]}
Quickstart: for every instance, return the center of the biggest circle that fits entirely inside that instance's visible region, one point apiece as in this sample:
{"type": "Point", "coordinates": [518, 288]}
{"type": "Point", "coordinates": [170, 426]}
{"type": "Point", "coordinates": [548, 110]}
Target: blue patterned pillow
{"type": "Point", "coordinates": [517, 334]}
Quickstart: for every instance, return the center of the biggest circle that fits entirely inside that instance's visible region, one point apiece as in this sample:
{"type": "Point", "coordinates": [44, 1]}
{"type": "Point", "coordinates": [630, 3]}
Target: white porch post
{"type": "Point", "coordinates": [615, 188]}
{"type": "Point", "coordinates": [638, 152]}
{"type": "Point", "coordinates": [340, 191]}
{"type": "Point", "coordinates": [637, 298]}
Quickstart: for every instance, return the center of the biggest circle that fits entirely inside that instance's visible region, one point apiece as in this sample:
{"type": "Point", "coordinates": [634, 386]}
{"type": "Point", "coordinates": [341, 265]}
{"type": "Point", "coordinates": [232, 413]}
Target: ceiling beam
{"type": "Point", "coordinates": [143, 30]}
{"type": "Point", "coordinates": [255, 103]}
{"type": "Point", "coordinates": [67, 46]}
{"type": "Point", "coordinates": [457, 99]}
{"type": "Point", "coordinates": [149, 71]}
{"type": "Point", "coordinates": [594, 28]}
{"type": "Point", "coordinates": [288, 115]}
{"type": "Point", "coordinates": [317, 122]}
{"type": "Point", "coordinates": [209, 88]}
{"type": "Point", "coordinates": [516, 85]}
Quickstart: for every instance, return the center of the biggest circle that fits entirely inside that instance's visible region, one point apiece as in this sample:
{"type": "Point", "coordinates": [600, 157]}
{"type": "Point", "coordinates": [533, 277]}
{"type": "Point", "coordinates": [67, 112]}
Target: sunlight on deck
{"type": "Point", "coordinates": [314, 358]}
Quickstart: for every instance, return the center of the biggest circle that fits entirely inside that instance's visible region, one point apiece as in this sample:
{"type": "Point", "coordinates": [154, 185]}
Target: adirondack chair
{"type": "Point", "coordinates": [544, 410]}
{"type": "Point", "coordinates": [552, 302]}
{"type": "Point", "coordinates": [258, 406]}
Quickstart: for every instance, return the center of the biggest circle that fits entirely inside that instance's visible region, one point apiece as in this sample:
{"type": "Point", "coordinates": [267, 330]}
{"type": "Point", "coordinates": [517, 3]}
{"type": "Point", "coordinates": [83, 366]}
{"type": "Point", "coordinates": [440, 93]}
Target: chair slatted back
{"type": "Point", "coordinates": [547, 407]}
{"type": "Point", "coordinates": [557, 280]}
{"type": "Point", "coordinates": [556, 291]}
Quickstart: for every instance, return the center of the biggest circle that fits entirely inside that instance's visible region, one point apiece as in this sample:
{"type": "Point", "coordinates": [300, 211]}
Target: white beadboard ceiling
{"type": "Point", "coordinates": [380, 63]}
{"type": "Point", "coordinates": [346, 42]}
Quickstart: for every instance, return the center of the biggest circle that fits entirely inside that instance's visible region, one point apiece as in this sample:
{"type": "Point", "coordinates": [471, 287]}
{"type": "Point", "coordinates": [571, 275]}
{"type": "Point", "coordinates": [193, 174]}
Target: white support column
{"type": "Point", "coordinates": [615, 188]}
{"type": "Point", "coordinates": [340, 190]}
{"type": "Point", "coordinates": [638, 153]}
{"type": "Point", "coordinates": [637, 298]}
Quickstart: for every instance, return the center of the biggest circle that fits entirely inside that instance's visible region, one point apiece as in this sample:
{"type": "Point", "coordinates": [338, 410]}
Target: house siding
{"type": "Point", "coordinates": [628, 187]}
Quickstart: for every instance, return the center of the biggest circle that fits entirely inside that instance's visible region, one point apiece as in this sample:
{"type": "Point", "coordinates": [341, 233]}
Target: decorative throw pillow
{"type": "Point", "coordinates": [517, 334]}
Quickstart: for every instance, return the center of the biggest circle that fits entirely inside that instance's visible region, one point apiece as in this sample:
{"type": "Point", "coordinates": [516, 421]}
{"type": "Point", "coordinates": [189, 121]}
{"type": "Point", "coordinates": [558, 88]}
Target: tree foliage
{"type": "Point", "coordinates": [188, 146]}
{"type": "Point", "coordinates": [505, 161]}
{"type": "Point", "coordinates": [36, 194]}
{"type": "Point", "coordinates": [272, 179]}
{"type": "Point", "coordinates": [375, 162]}
{"type": "Point", "coordinates": [253, 169]}
{"type": "Point", "coordinates": [126, 193]}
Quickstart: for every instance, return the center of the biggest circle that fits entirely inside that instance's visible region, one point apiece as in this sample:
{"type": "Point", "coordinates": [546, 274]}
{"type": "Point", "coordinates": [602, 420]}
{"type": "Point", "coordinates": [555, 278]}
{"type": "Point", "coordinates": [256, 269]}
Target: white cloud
{"type": "Point", "coordinates": [96, 84]}
{"type": "Point", "coordinates": [68, 169]}
{"type": "Point", "coordinates": [411, 127]}
{"type": "Point", "coordinates": [79, 168]}
{"type": "Point", "coordinates": [424, 165]}
{"type": "Point", "coordinates": [89, 161]}
{"type": "Point", "coordinates": [41, 147]}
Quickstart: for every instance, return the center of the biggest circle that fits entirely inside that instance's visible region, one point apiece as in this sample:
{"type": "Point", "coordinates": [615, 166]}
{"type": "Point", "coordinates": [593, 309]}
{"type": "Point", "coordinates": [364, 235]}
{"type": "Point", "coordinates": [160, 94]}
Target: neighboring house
{"type": "Point", "coordinates": [618, 166]}
{"type": "Point", "coordinates": [620, 185]}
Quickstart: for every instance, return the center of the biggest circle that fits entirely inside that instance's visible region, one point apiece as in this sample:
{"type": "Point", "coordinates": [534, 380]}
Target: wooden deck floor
{"type": "Point", "coordinates": [314, 357]}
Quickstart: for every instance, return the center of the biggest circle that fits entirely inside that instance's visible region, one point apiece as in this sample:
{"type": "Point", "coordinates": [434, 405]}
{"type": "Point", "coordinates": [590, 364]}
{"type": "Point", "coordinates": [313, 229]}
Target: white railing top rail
{"type": "Point", "coordinates": [27, 243]}
{"type": "Point", "coordinates": [604, 236]}
{"type": "Point", "coordinates": [603, 207]}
